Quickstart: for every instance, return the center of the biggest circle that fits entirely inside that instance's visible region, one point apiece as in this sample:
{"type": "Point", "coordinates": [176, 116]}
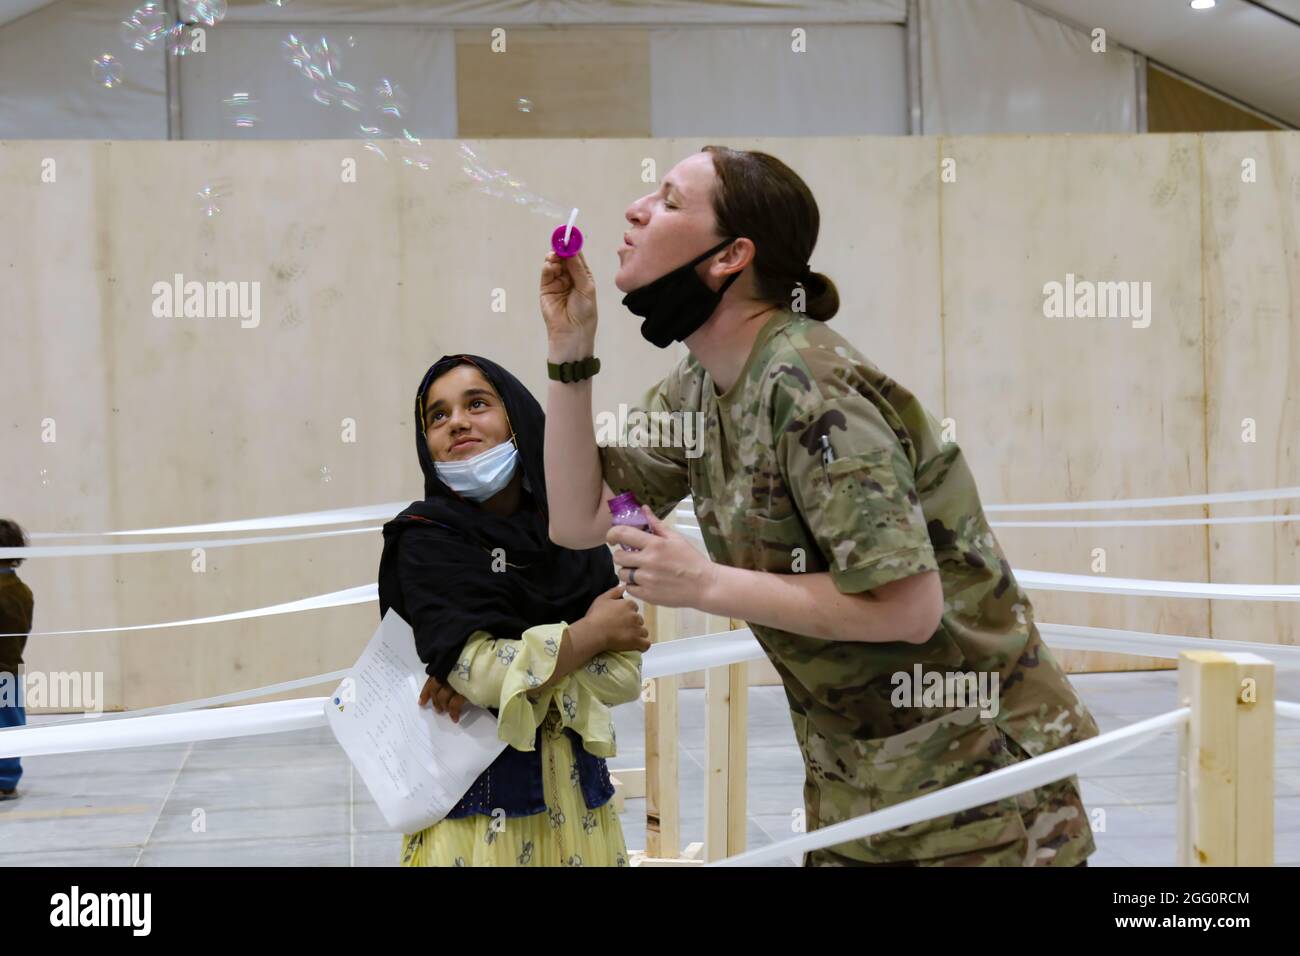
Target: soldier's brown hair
{"type": "Point", "coordinates": [764, 200]}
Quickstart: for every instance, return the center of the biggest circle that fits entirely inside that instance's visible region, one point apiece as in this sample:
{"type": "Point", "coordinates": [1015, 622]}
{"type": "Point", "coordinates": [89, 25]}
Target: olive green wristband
{"type": "Point", "coordinates": [569, 372]}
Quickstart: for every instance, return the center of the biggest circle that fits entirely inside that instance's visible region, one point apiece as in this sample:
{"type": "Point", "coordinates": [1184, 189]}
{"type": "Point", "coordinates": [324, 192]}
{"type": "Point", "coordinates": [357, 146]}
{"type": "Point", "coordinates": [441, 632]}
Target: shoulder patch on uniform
{"type": "Point", "coordinates": [796, 372]}
{"type": "Point", "coordinates": [812, 434]}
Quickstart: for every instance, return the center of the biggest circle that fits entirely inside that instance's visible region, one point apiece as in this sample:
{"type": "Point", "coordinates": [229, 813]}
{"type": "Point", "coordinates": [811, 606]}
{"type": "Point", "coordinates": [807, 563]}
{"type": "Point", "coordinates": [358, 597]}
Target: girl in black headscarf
{"type": "Point", "coordinates": [539, 634]}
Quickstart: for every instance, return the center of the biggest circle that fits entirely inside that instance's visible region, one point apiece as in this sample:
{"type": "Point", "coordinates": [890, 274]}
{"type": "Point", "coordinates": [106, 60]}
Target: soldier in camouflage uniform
{"type": "Point", "coordinates": [889, 499]}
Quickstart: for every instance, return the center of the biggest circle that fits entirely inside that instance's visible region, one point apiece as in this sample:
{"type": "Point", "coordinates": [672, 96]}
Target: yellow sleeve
{"type": "Point", "coordinates": [614, 676]}
{"type": "Point", "coordinates": [505, 674]}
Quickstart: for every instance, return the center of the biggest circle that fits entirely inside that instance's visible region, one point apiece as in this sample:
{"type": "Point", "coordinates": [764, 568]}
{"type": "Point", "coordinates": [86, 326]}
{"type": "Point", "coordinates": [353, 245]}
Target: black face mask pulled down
{"type": "Point", "coordinates": [678, 302]}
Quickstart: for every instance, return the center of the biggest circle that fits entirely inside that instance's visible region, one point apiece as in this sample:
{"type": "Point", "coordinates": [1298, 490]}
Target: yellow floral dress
{"type": "Point", "coordinates": [504, 674]}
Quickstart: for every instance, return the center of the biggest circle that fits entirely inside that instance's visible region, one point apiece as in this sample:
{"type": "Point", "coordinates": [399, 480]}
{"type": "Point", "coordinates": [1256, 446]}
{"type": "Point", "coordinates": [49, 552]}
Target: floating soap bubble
{"type": "Point", "coordinates": [146, 25]}
{"type": "Point", "coordinates": [45, 478]}
{"type": "Point", "coordinates": [179, 38]}
{"type": "Point", "coordinates": [347, 96]}
{"type": "Point", "coordinates": [277, 3]}
{"type": "Point", "coordinates": [325, 475]}
{"type": "Point", "coordinates": [207, 12]}
{"type": "Point", "coordinates": [241, 107]}
{"type": "Point", "coordinates": [389, 98]}
{"type": "Point", "coordinates": [209, 196]}
{"type": "Point", "coordinates": [327, 58]}
{"type": "Point", "coordinates": [374, 148]}
{"type": "Point", "coordinates": [297, 52]}
{"type": "Point", "coordinates": [107, 70]}
{"type": "Point", "coordinates": [524, 105]}
{"type": "Point", "coordinates": [500, 184]}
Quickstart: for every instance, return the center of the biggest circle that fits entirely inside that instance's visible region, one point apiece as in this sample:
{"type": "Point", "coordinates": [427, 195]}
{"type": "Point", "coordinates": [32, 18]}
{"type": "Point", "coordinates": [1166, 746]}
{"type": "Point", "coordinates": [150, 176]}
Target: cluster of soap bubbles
{"type": "Point", "coordinates": [319, 64]}
{"type": "Point", "coordinates": [147, 26]}
{"type": "Point", "coordinates": [380, 111]}
{"type": "Point", "coordinates": [501, 184]}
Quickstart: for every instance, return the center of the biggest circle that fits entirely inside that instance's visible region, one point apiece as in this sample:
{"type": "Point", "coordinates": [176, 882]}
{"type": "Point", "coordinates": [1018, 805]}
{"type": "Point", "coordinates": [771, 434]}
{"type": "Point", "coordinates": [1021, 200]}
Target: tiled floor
{"type": "Point", "coordinates": [289, 799]}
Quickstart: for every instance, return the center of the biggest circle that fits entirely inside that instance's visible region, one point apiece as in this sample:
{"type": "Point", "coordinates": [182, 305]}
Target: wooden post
{"type": "Point", "coordinates": [1225, 760]}
{"type": "Point", "coordinates": [1256, 724]}
{"type": "Point", "coordinates": [738, 753]}
{"type": "Point", "coordinates": [717, 739]}
{"type": "Point", "coordinates": [662, 799]}
{"type": "Point", "coordinates": [726, 695]}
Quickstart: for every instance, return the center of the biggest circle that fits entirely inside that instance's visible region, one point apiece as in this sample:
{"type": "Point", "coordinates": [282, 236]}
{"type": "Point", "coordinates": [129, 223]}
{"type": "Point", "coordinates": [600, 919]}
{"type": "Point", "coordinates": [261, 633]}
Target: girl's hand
{"type": "Point", "coordinates": [670, 571]}
{"type": "Point", "coordinates": [617, 622]}
{"type": "Point", "coordinates": [568, 298]}
{"type": "Point", "coordinates": [443, 698]}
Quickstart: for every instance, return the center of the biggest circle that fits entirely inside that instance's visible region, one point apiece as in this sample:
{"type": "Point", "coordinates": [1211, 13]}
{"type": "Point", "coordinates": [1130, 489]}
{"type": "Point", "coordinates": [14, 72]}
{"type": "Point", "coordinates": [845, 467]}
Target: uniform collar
{"type": "Point", "coordinates": [775, 321]}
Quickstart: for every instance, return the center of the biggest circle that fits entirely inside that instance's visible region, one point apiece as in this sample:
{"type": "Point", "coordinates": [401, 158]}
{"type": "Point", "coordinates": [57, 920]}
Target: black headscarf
{"type": "Point", "coordinates": [436, 569]}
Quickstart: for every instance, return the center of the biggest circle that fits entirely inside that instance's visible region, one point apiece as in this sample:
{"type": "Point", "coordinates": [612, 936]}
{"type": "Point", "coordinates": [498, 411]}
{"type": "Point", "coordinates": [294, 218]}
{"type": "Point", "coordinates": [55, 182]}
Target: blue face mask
{"type": "Point", "coordinates": [481, 477]}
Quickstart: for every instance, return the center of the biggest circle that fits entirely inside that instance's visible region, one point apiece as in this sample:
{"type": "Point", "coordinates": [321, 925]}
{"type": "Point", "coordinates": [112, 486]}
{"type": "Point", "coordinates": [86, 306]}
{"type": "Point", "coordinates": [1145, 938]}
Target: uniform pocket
{"type": "Point", "coordinates": [778, 545]}
{"type": "Point", "coordinates": [855, 776]}
{"type": "Point", "coordinates": [869, 476]}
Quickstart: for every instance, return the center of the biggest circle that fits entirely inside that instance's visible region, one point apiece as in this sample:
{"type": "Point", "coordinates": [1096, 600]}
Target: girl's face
{"type": "Point", "coordinates": [670, 226]}
{"type": "Point", "coordinates": [463, 415]}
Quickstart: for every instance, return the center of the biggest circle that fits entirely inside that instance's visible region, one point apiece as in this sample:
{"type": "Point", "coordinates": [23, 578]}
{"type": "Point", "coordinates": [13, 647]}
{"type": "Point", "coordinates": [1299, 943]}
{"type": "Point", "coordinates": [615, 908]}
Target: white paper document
{"type": "Point", "coordinates": [415, 762]}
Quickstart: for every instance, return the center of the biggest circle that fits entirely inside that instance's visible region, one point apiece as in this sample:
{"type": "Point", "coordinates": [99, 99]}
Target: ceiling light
{"type": "Point", "coordinates": [1202, 4]}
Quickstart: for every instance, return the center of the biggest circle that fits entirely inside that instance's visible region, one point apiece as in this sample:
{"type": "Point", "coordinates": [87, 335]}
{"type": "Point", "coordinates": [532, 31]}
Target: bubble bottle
{"type": "Point", "coordinates": [625, 509]}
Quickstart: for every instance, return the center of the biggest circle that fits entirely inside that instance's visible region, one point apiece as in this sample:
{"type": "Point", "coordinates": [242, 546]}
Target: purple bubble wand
{"type": "Point", "coordinates": [566, 240]}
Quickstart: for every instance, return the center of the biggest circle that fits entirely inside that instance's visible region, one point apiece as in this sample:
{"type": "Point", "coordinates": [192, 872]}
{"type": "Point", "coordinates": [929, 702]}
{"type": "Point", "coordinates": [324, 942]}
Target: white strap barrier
{"type": "Point", "coordinates": [357, 595]}
{"type": "Point", "coordinates": [1149, 522]}
{"type": "Point", "coordinates": [87, 550]}
{"type": "Point", "coordinates": [1072, 637]}
{"type": "Point", "coordinates": [1180, 501]}
{"type": "Point", "coordinates": [387, 511]}
{"type": "Point", "coordinates": [1286, 708]}
{"type": "Point", "coordinates": [997, 785]}
{"type": "Point", "coordinates": [217, 701]}
{"type": "Point", "coordinates": [275, 717]}
{"type": "Point", "coordinates": [1052, 581]}
{"type": "Point", "coordinates": [302, 519]}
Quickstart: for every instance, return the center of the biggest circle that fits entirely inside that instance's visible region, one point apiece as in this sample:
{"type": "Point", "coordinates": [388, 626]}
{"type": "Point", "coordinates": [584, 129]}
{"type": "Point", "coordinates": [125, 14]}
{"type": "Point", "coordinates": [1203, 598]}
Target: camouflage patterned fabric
{"type": "Point", "coordinates": [891, 500]}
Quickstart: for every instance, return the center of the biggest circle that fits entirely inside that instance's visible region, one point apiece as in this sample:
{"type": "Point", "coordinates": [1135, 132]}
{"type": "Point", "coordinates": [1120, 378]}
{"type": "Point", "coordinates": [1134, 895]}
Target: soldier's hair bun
{"type": "Point", "coordinates": [823, 299]}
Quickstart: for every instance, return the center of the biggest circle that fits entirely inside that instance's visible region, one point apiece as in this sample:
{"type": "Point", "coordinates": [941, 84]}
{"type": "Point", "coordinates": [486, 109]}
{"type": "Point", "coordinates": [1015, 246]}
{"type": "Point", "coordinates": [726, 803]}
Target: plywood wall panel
{"type": "Point", "coordinates": [1252, 309]}
{"type": "Point", "coordinates": [1056, 409]}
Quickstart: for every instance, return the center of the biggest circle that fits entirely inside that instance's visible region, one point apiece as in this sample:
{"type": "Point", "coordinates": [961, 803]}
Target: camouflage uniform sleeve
{"type": "Point", "coordinates": [657, 475]}
{"type": "Point", "coordinates": [862, 507]}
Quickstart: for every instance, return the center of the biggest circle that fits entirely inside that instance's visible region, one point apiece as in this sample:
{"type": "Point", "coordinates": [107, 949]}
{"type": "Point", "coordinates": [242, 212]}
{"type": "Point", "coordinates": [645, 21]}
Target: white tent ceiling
{"type": "Point", "coordinates": [13, 9]}
{"type": "Point", "coordinates": [1238, 48]}
{"type": "Point", "coordinates": [1247, 49]}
